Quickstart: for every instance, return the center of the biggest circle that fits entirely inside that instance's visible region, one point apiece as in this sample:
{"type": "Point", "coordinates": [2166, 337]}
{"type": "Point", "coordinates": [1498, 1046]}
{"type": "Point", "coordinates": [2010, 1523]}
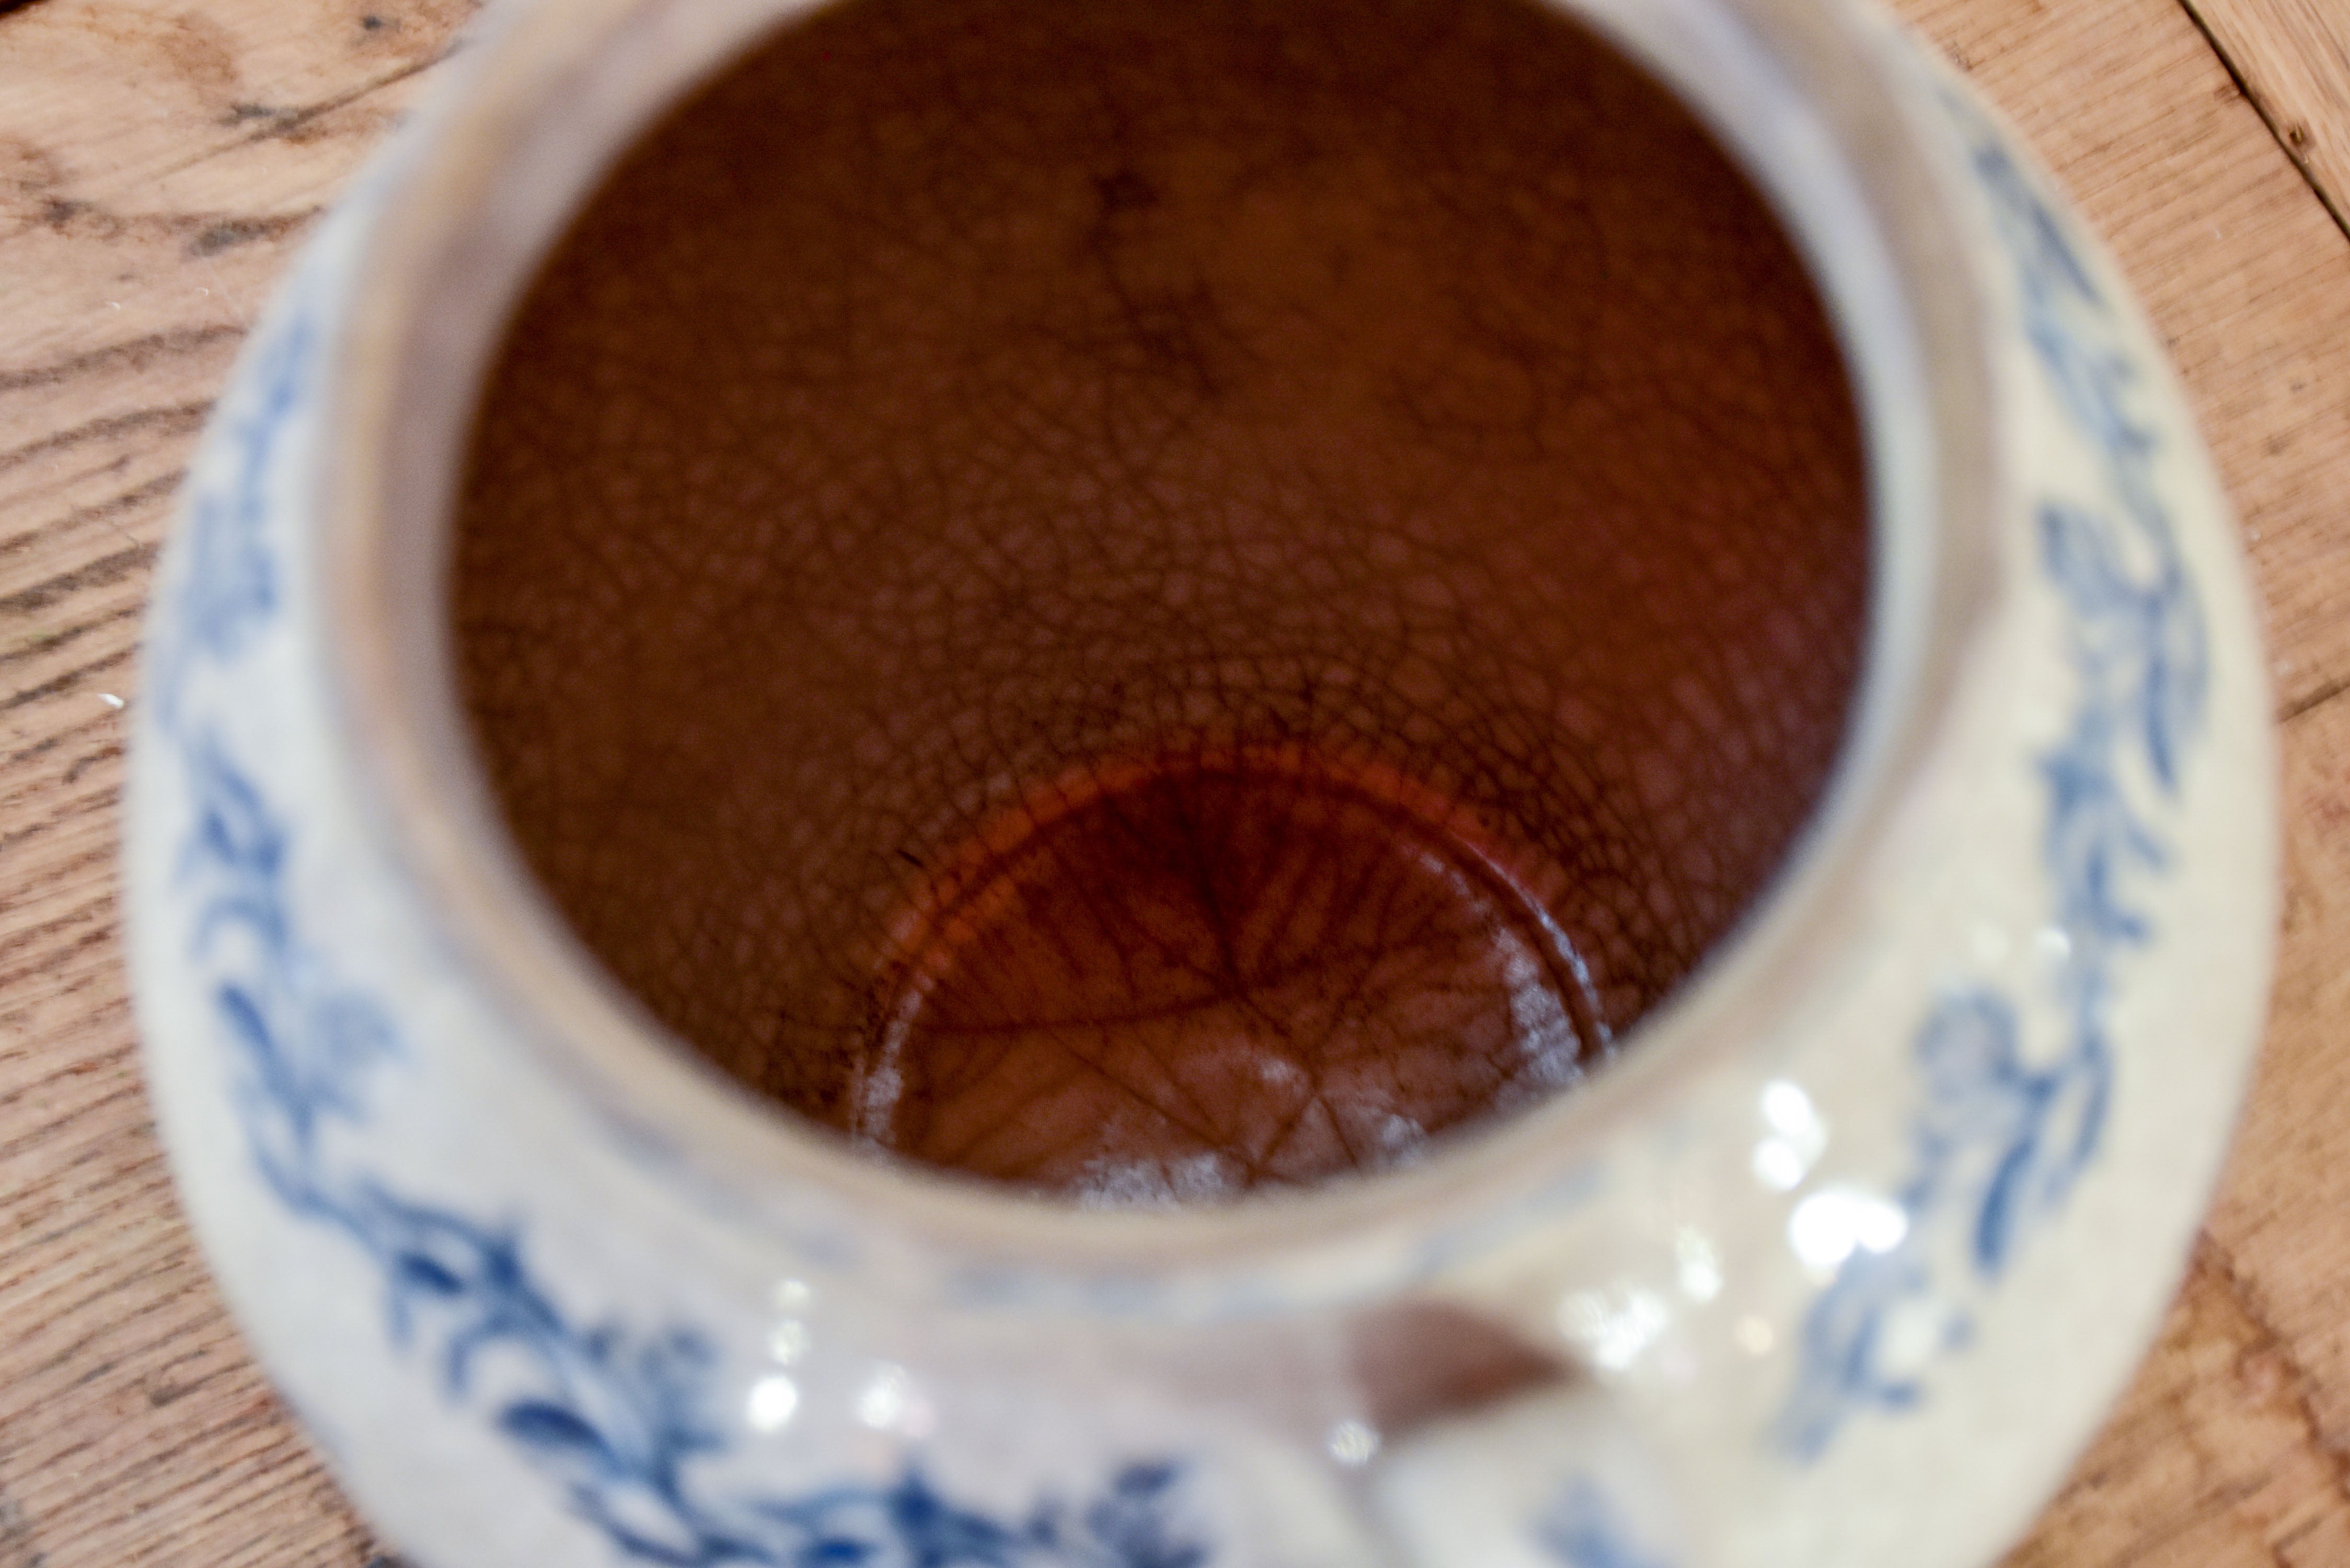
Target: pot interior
{"type": "Point", "coordinates": [1152, 601]}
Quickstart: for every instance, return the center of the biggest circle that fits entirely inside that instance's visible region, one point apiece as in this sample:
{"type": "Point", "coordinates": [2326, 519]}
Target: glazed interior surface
{"type": "Point", "coordinates": [1149, 600]}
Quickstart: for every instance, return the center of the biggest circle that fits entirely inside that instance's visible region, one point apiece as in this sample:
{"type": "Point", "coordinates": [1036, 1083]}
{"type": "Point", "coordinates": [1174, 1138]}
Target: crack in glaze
{"type": "Point", "coordinates": [1180, 977]}
{"type": "Point", "coordinates": [1072, 386]}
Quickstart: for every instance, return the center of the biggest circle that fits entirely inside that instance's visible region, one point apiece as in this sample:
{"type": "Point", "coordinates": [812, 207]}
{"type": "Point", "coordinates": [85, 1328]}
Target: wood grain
{"type": "Point", "coordinates": [157, 167]}
{"type": "Point", "coordinates": [2293, 57]}
{"type": "Point", "coordinates": [2243, 271]}
{"type": "Point", "coordinates": [157, 164]}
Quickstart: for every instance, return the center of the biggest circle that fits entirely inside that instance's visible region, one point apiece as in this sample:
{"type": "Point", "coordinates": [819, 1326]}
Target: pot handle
{"type": "Point", "coordinates": [1550, 1482]}
{"type": "Point", "coordinates": [1684, 1397]}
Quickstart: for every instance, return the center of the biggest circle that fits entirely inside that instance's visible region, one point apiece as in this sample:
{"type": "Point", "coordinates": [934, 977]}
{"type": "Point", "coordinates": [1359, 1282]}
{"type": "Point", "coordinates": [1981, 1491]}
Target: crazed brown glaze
{"type": "Point", "coordinates": [1201, 971]}
{"type": "Point", "coordinates": [1144, 599]}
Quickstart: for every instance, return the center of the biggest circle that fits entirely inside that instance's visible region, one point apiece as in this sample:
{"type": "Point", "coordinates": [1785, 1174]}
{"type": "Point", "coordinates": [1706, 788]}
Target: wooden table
{"type": "Point", "coordinates": [160, 161]}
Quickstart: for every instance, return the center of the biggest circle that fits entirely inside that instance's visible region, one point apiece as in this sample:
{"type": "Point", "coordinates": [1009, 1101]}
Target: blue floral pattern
{"type": "Point", "coordinates": [2000, 1142]}
{"type": "Point", "coordinates": [617, 1417]}
{"type": "Point", "coordinates": [1582, 1530]}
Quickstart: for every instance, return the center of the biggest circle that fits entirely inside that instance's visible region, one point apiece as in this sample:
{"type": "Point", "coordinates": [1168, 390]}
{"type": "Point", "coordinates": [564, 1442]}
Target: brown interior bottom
{"type": "Point", "coordinates": [1183, 976]}
{"type": "Point", "coordinates": [1145, 598]}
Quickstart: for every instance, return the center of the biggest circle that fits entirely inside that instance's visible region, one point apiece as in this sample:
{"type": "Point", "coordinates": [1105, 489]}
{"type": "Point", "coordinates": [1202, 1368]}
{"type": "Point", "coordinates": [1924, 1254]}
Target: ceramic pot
{"type": "Point", "coordinates": [1838, 1264]}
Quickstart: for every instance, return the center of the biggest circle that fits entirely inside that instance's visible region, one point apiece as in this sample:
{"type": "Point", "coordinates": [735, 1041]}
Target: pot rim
{"type": "Point", "coordinates": [1805, 95]}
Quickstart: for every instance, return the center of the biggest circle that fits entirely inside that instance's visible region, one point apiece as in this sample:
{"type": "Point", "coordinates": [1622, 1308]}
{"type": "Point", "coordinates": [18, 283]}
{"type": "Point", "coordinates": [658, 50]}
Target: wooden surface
{"type": "Point", "coordinates": [159, 163]}
{"type": "Point", "coordinates": [2293, 56]}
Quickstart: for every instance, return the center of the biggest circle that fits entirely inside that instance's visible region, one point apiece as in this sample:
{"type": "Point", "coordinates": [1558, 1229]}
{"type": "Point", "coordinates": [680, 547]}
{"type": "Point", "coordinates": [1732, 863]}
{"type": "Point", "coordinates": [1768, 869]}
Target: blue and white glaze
{"type": "Point", "coordinates": [287, 1025]}
{"type": "Point", "coordinates": [615, 1416]}
{"type": "Point", "coordinates": [1582, 1529]}
{"type": "Point", "coordinates": [1999, 1141]}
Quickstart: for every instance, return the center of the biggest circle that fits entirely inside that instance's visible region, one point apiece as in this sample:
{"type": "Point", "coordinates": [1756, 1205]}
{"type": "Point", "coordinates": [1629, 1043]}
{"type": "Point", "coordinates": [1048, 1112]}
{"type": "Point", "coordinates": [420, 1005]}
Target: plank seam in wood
{"type": "Point", "coordinates": [2213, 1258]}
{"type": "Point", "coordinates": [2286, 144]}
{"type": "Point", "coordinates": [2317, 699]}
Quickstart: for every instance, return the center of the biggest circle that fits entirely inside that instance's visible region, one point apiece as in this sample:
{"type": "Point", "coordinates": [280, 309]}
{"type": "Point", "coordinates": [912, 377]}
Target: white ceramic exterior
{"type": "Point", "coordinates": [1856, 1250]}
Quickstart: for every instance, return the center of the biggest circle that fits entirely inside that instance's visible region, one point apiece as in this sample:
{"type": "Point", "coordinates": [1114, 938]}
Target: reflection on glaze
{"type": "Point", "coordinates": [1832, 1224]}
{"type": "Point", "coordinates": [1796, 1140]}
{"type": "Point", "coordinates": [1697, 1264]}
{"type": "Point", "coordinates": [773, 1402]}
{"type": "Point", "coordinates": [1612, 1325]}
{"type": "Point", "coordinates": [1353, 1443]}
